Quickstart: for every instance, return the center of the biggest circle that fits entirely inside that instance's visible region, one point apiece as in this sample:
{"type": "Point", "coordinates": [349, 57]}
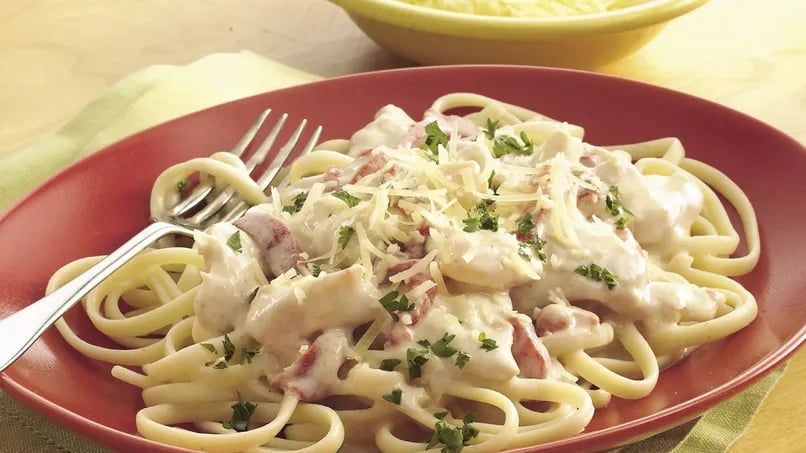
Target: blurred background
{"type": "Point", "coordinates": [56, 55]}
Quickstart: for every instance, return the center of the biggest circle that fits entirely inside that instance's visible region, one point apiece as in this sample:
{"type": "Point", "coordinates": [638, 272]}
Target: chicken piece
{"type": "Point", "coordinates": [485, 259]}
{"type": "Point", "coordinates": [283, 317]}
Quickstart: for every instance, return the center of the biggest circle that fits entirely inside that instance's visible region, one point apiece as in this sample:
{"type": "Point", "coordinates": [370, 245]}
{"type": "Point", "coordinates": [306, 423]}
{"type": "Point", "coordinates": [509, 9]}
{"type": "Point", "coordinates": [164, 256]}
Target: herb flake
{"type": "Point", "coordinates": [461, 359]}
{"type": "Point", "coordinates": [229, 348]}
{"type": "Point", "coordinates": [390, 364]}
{"type": "Point", "coordinates": [488, 344]}
{"type": "Point", "coordinates": [247, 354]}
{"type": "Point", "coordinates": [507, 144]}
{"type": "Point", "coordinates": [526, 225]}
{"type": "Point", "coordinates": [350, 200]}
{"type": "Point", "coordinates": [296, 203]}
{"type": "Point", "coordinates": [209, 347]}
{"type": "Point", "coordinates": [533, 246]}
{"type": "Point", "coordinates": [479, 218]}
{"type": "Point", "coordinates": [394, 396]}
{"type": "Point", "coordinates": [241, 414]}
{"type": "Point", "coordinates": [598, 273]}
{"type": "Point", "coordinates": [491, 183]}
{"type": "Point", "coordinates": [442, 347]}
{"type": "Point", "coordinates": [392, 304]}
{"type": "Point", "coordinates": [345, 234]}
{"type": "Point", "coordinates": [613, 204]}
{"type": "Point", "coordinates": [415, 359]}
{"type": "Point", "coordinates": [489, 131]}
{"type": "Point", "coordinates": [434, 138]}
{"type": "Point", "coordinates": [453, 438]}
{"type": "Point", "coordinates": [234, 242]}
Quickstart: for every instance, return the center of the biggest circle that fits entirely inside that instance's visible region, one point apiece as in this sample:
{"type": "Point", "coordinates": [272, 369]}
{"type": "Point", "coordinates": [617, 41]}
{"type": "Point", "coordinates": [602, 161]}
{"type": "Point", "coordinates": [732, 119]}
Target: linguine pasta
{"type": "Point", "coordinates": [457, 283]}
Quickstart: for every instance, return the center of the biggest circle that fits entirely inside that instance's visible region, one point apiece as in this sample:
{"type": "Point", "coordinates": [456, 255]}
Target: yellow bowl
{"type": "Point", "coordinates": [431, 36]}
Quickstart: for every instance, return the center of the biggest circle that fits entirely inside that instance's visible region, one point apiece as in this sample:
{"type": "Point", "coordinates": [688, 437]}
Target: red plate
{"type": "Point", "coordinates": [94, 205]}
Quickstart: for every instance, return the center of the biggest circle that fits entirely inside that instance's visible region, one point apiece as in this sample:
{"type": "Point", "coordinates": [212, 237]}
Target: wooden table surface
{"type": "Point", "coordinates": [56, 55]}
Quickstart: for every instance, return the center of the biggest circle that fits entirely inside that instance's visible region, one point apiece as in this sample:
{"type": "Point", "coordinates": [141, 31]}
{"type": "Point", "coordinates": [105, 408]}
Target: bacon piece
{"type": "Point", "coordinates": [399, 331]}
{"type": "Point", "coordinates": [311, 375]}
{"type": "Point", "coordinates": [423, 303]}
{"type": "Point", "coordinates": [529, 352]}
{"type": "Point", "coordinates": [556, 317]}
{"type": "Point", "coordinates": [373, 164]}
{"type": "Point", "coordinates": [417, 250]}
{"type": "Point", "coordinates": [279, 250]}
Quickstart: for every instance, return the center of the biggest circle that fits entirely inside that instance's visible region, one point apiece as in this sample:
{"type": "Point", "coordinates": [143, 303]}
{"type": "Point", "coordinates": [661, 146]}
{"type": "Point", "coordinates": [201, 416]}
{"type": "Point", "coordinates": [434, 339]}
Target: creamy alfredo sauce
{"type": "Point", "coordinates": [512, 245]}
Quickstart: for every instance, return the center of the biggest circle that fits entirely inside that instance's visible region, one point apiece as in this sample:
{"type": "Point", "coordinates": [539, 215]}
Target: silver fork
{"type": "Point", "coordinates": [20, 330]}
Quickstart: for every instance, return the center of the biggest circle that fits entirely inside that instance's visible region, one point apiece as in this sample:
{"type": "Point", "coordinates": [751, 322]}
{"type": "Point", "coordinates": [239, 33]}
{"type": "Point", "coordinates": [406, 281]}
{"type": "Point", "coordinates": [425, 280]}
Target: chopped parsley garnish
{"type": "Point", "coordinates": [394, 396]}
{"type": "Point", "coordinates": [415, 359]}
{"type": "Point", "coordinates": [528, 145]}
{"type": "Point", "coordinates": [392, 304]}
{"type": "Point", "coordinates": [220, 365]}
{"type": "Point", "coordinates": [507, 144]}
{"type": "Point", "coordinates": [316, 270]}
{"type": "Point", "coordinates": [247, 354]}
{"type": "Point", "coordinates": [491, 183]}
{"type": "Point", "coordinates": [621, 223]}
{"type": "Point", "coordinates": [504, 145]}
{"type": "Point", "coordinates": [526, 225]}
{"type": "Point", "coordinates": [241, 413]}
{"type": "Point", "coordinates": [461, 359]}
{"type": "Point", "coordinates": [296, 203]}
{"type": "Point", "coordinates": [345, 233]}
{"type": "Point", "coordinates": [182, 185]}
{"type": "Point", "coordinates": [434, 138]}
{"type": "Point", "coordinates": [347, 198]}
{"type": "Point", "coordinates": [234, 242]}
{"type": "Point", "coordinates": [389, 364]}
{"type": "Point", "coordinates": [599, 274]}
{"type": "Point", "coordinates": [479, 218]}
{"type": "Point", "coordinates": [453, 438]}
{"type": "Point", "coordinates": [252, 295]}
{"type": "Point", "coordinates": [442, 346]}
{"type": "Point", "coordinates": [533, 246]}
{"type": "Point", "coordinates": [209, 347]}
{"type": "Point", "coordinates": [488, 344]}
{"type": "Point", "coordinates": [491, 127]}
{"type": "Point", "coordinates": [229, 348]}
{"type": "Point", "coordinates": [613, 202]}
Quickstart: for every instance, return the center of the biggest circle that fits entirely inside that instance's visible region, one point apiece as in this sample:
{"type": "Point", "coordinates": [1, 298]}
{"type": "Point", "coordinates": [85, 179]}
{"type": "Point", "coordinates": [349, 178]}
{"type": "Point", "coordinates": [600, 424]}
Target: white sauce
{"type": "Point", "coordinates": [290, 312]}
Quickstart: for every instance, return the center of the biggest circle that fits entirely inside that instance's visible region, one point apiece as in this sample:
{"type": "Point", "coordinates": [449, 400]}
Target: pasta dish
{"type": "Point", "coordinates": [475, 282]}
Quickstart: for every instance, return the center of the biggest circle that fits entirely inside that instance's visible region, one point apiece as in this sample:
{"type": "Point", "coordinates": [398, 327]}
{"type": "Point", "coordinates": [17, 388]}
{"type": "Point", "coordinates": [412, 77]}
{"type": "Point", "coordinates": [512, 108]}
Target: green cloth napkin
{"type": "Point", "coordinates": [159, 93]}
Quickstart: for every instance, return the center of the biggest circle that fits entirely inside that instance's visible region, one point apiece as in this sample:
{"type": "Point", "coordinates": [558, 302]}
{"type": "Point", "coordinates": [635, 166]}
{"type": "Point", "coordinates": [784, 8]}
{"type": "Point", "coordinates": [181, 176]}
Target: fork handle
{"type": "Point", "coordinates": [21, 329]}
